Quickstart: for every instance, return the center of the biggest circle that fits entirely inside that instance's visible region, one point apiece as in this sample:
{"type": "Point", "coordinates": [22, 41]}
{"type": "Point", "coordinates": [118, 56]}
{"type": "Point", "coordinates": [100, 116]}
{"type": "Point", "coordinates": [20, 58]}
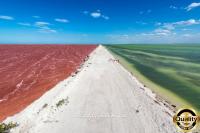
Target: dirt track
{"type": "Point", "coordinates": [102, 98]}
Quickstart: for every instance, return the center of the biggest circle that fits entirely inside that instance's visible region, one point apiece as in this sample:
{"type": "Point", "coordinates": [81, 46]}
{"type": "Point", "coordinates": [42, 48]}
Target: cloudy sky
{"type": "Point", "coordinates": [100, 21]}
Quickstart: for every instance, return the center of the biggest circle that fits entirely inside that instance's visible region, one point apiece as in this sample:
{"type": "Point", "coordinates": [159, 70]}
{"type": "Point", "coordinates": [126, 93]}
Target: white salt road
{"type": "Point", "coordinates": [102, 98]}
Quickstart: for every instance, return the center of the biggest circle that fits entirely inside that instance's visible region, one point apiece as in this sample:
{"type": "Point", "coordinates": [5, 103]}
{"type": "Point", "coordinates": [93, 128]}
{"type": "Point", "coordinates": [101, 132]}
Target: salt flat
{"type": "Point", "coordinates": [102, 98]}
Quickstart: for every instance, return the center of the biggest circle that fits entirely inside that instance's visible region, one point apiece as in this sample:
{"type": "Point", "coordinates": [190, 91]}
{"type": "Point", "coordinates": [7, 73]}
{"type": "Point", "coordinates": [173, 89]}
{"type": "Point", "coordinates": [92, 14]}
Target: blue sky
{"type": "Point", "coordinates": [100, 21]}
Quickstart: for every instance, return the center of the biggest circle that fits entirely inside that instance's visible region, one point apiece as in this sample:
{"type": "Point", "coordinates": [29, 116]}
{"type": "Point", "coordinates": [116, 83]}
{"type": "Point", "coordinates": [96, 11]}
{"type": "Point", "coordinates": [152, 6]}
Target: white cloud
{"type": "Point", "coordinates": [185, 29]}
{"type": "Point", "coordinates": [43, 27]}
{"type": "Point", "coordinates": [24, 24]}
{"type": "Point", "coordinates": [162, 32]}
{"type": "Point", "coordinates": [125, 36]}
{"type": "Point", "coordinates": [173, 25]}
{"type": "Point", "coordinates": [147, 34]}
{"type": "Point", "coordinates": [187, 35]}
{"type": "Point", "coordinates": [41, 24]}
{"type": "Point", "coordinates": [105, 17]}
{"type": "Point", "coordinates": [168, 26]}
{"type": "Point", "coordinates": [168, 29]}
{"type": "Point", "coordinates": [187, 22]}
{"type": "Point", "coordinates": [36, 16]}
{"type": "Point", "coordinates": [158, 23]}
{"type": "Point", "coordinates": [6, 17]}
{"type": "Point", "coordinates": [173, 7]}
{"type": "Point", "coordinates": [46, 29]}
{"type": "Point", "coordinates": [192, 6]}
{"type": "Point", "coordinates": [62, 20]}
{"type": "Point", "coordinates": [96, 14]}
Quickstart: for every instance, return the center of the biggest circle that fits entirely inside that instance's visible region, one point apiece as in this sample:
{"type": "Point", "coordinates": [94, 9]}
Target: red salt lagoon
{"type": "Point", "coordinates": [28, 71]}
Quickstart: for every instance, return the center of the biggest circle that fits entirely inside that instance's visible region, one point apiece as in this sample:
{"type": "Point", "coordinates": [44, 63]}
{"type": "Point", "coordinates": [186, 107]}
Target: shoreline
{"type": "Point", "coordinates": [171, 98]}
{"type": "Point", "coordinates": [103, 96]}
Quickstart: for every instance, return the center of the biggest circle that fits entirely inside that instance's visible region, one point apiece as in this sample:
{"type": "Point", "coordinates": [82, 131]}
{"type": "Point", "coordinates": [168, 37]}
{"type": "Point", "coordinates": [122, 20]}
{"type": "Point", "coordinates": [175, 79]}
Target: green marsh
{"type": "Point", "coordinates": [174, 68]}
